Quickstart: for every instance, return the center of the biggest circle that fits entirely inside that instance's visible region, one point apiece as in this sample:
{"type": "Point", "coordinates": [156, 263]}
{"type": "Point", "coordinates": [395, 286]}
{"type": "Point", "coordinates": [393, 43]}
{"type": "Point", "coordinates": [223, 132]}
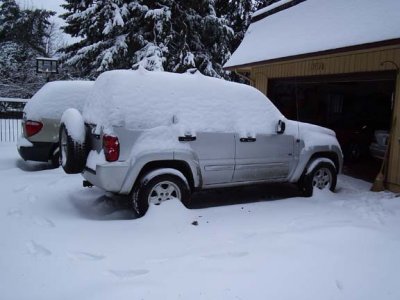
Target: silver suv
{"type": "Point", "coordinates": [154, 136]}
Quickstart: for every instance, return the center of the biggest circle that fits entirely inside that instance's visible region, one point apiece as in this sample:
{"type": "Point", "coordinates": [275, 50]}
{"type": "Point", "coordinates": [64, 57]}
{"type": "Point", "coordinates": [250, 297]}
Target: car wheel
{"type": "Point", "coordinates": [73, 154]}
{"type": "Point", "coordinates": [157, 190]}
{"type": "Point", "coordinates": [322, 177]}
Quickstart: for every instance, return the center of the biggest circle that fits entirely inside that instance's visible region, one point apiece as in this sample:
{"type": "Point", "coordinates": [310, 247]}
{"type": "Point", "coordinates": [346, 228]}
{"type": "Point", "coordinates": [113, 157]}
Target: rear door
{"type": "Point", "coordinates": [264, 158]}
{"type": "Point", "coordinates": [216, 155]}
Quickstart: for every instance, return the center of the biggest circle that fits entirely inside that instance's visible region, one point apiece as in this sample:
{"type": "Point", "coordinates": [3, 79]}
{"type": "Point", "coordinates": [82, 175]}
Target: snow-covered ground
{"type": "Point", "coordinates": [61, 241]}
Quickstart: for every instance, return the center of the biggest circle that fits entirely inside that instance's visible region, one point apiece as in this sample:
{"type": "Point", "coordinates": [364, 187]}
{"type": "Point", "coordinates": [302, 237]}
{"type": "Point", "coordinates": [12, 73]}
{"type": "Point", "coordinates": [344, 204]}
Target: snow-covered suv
{"type": "Point", "coordinates": [42, 115]}
{"type": "Point", "coordinates": [157, 135]}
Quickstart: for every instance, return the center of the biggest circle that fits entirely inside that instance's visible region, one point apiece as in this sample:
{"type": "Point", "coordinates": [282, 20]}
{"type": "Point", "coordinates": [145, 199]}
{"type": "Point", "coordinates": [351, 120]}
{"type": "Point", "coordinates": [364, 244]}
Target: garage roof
{"type": "Point", "coordinates": [316, 25]}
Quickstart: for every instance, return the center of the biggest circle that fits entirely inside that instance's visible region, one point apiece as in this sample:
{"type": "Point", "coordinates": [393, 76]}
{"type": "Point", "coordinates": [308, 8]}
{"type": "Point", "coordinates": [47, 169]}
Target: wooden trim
{"type": "Point", "coordinates": [349, 77]}
{"type": "Point", "coordinates": [366, 46]}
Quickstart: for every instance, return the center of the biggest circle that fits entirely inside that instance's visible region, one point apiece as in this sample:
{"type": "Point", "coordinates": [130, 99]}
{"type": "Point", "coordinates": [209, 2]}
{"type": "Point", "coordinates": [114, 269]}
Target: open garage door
{"type": "Point", "coordinates": [357, 107]}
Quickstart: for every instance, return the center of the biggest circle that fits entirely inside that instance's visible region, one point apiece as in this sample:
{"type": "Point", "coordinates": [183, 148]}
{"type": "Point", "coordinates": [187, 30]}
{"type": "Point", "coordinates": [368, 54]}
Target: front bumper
{"type": "Point", "coordinates": [109, 177]}
{"type": "Point", "coordinates": [39, 151]}
{"type": "Point", "coordinates": [377, 151]}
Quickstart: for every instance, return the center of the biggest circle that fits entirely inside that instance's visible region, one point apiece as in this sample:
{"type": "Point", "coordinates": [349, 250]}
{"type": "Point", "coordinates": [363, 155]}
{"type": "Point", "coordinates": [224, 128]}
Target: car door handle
{"type": "Point", "coordinates": [187, 138]}
{"type": "Point", "coordinates": [248, 140]}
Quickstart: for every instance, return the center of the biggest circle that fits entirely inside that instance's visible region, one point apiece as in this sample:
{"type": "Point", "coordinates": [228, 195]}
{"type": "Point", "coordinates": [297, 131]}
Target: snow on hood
{"type": "Point", "coordinates": [55, 97]}
{"type": "Point", "coordinates": [191, 102]}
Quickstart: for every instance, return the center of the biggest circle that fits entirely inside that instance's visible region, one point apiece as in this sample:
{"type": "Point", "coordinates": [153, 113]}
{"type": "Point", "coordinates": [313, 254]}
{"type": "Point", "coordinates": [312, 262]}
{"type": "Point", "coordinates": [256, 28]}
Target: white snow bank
{"type": "Point", "coordinates": [59, 239]}
{"type": "Point", "coordinates": [193, 103]}
{"type": "Point", "coordinates": [318, 25]}
{"type": "Point", "coordinates": [75, 125]}
{"type": "Point", "coordinates": [55, 97]}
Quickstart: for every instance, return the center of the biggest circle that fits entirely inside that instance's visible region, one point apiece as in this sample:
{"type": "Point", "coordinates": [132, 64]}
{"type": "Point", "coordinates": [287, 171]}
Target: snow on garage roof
{"type": "Point", "coordinates": [317, 25]}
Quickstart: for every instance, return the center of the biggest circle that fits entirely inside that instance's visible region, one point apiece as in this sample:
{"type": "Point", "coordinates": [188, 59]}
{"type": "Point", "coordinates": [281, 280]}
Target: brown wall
{"type": "Point", "coordinates": [360, 61]}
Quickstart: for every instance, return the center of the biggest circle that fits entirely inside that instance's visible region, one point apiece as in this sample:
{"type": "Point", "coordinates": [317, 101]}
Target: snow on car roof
{"type": "Point", "coordinates": [142, 100]}
{"type": "Point", "coordinates": [317, 25]}
{"type": "Point", "coordinates": [55, 97]}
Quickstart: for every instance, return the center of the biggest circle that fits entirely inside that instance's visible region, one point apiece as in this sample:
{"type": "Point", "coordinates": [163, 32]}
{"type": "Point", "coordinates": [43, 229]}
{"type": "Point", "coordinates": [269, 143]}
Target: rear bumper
{"type": "Point", "coordinates": [109, 177]}
{"type": "Point", "coordinates": [39, 151]}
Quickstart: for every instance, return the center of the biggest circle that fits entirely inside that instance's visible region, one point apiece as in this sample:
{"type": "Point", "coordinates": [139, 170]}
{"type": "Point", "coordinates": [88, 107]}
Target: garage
{"type": "Point", "coordinates": [355, 107]}
{"type": "Point", "coordinates": [339, 68]}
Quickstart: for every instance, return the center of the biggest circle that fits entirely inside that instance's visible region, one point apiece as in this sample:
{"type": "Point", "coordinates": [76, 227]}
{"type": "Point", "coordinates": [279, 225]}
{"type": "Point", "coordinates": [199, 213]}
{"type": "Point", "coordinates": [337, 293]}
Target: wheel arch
{"type": "Point", "coordinates": [333, 156]}
{"type": "Point", "coordinates": [167, 167]}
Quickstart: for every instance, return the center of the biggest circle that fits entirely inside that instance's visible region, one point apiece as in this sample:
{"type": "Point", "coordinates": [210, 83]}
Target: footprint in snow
{"type": "Point", "coordinates": [37, 250]}
{"type": "Point", "coordinates": [126, 274]}
{"type": "Point", "coordinates": [44, 222]}
{"type": "Point", "coordinates": [227, 255]}
{"type": "Point", "coordinates": [20, 189]}
{"type": "Point", "coordinates": [14, 213]}
{"type": "Point", "coordinates": [339, 285]}
{"type": "Point", "coordinates": [85, 256]}
{"type": "Point", "coordinates": [32, 198]}
{"type": "Point", "coordinates": [54, 182]}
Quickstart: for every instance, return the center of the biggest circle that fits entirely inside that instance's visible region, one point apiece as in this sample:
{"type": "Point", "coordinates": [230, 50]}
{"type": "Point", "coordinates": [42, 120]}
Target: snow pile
{"type": "Point", "coordinates": [192, 103]}
{"type": "Point", "coordinates": [58, 238]}
{"type": "Point", "coordinates": [55, 97]}
{"type": "Point", "coordinates": [319, 25]}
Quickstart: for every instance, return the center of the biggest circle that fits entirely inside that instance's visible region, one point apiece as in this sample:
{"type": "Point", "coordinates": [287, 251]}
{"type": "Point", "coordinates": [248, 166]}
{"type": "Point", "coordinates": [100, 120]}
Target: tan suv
{"type": "Point", "coordinates": [42, 116]}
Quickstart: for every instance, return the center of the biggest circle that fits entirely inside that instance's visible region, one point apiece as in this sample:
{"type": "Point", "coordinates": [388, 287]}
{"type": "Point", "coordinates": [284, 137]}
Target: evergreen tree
{"type": "Point", "coordinates": [172, 35]}
{"type": "Point", "coordinates": [22, 39]}
{"type": "Point", "coordinates": [27, 26]}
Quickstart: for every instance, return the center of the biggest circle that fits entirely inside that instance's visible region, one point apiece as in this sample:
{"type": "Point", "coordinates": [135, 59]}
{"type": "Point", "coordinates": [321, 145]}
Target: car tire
{"type": "Point", "coordinates": [156, 190]}
{"type": "Point", "coordinates": [73, 154]}
{"type": "Point", "coordinates": [323, 176]}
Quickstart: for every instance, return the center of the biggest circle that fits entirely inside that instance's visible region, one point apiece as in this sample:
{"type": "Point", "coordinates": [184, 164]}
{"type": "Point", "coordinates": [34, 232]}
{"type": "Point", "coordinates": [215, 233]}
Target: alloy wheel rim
{"type": "Point", "coordinates": [163, 191]}
{"type": "Point", "coordinates": [322, 179]}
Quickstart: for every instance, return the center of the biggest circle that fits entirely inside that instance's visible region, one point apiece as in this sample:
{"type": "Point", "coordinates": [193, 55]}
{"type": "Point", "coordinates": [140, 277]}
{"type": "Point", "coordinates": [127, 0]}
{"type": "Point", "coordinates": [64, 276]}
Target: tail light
{"type": "Point", "coordinates": [32, 127]}
{"type": "Point", "coordinates": [111, 147]}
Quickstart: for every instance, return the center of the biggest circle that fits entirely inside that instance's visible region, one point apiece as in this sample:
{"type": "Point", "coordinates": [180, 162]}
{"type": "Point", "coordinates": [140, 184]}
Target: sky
{"type": "Point", "coordinates": [53, 5]}
{"type": "Point", "coordinates": [46, 4]}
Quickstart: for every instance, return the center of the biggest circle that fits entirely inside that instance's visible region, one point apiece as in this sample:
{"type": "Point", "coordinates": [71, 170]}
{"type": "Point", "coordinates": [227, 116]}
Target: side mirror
{"type": "Point", "coordinates": [280, 128]}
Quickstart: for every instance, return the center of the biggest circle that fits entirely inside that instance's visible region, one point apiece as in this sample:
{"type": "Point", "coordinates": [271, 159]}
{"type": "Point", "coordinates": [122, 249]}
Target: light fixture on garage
{"type": "Point", "coordinates": [391, 62]}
